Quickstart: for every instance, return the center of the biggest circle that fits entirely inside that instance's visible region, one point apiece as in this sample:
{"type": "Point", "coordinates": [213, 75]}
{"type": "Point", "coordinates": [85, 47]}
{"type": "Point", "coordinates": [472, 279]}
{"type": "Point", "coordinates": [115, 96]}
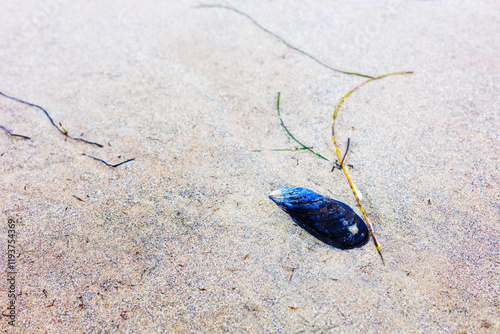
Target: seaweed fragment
{"type": "Point", "coordinates": [14, 134]}
{"type": "Point", "coordinates": [291, 136]}
{"type": "Point", "coordinates": [63, 131]}
{"type": "Point", "coordinates": [282, 40]}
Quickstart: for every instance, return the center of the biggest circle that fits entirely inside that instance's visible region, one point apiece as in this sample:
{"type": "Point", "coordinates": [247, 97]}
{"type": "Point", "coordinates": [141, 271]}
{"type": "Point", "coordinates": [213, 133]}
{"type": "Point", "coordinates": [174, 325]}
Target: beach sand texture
{"type": "Point", "coordinates": [184, 239]}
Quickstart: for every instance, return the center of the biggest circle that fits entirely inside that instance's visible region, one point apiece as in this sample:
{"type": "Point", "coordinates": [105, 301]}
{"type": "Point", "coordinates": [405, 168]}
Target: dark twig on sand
{"type": "Point", "coordinates": [108, 164]}
{"type": "Point", "coordinates": [63, 132]}
{"type": "Point", "coordinates": [14, 134]}
{"type": "Point", "coordinates": [284, 41]}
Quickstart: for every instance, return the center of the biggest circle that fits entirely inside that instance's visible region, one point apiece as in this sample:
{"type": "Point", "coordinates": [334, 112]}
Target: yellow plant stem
{"type": "Point", "coordinates": [368, 224]}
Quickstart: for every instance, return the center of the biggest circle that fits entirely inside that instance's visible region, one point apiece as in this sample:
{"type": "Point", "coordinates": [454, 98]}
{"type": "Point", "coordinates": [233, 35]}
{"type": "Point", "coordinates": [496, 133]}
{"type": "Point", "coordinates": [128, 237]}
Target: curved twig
{"type": "Point", "coordinates": [339, 164]}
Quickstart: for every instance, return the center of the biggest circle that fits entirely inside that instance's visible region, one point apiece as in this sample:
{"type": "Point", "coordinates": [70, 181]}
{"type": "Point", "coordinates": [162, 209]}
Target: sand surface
{"type": "Point", "coordinates": [184, 238]}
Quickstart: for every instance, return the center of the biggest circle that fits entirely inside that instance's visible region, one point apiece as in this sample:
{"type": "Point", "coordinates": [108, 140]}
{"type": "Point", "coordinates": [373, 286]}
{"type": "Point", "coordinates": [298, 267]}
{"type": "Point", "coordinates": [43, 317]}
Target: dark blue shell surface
{"type": "Point", "coordinates": [329, 220]}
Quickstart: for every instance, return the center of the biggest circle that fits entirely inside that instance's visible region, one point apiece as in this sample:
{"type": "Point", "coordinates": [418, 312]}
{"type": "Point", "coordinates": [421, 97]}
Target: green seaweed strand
{"type": "Point", "coordinates": [291, 136]}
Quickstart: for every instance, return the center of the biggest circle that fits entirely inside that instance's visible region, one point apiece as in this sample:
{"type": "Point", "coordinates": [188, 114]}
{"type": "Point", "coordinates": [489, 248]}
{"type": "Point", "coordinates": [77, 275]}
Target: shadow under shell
{"type": "Point", "coordinates": [330, 221]}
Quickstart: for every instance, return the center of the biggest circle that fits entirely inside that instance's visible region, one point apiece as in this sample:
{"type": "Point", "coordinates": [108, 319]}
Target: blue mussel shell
{"type": "Point", "coordinates": [328, 220]}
